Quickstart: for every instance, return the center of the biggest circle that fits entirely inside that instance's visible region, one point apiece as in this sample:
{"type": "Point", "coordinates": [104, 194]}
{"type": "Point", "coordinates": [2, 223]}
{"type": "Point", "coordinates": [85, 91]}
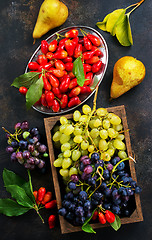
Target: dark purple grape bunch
{"type": "Point", "coordinates": [76, 208]}
{"type": "Point", "coordinates": [25, 147]}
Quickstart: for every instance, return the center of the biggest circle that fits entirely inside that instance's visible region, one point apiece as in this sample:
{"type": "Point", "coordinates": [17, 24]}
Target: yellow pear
{"type": "Point", "coordinates": [127, 73]}
{"type": "Point", "coordinates": [53, 13]}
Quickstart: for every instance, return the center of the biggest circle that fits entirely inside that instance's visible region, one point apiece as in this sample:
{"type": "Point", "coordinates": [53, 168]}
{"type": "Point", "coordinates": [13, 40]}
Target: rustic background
{"type": "Point", "coordinates": [17, 21]}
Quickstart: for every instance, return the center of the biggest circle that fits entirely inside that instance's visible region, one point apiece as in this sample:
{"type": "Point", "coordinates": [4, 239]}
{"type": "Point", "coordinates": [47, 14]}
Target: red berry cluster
{"type": "Point", "coordinates": [104, 217]}
{"type": "Point", "coordinates": [60, 85]}
{"type": "Point", "coordinates": [45, 198]}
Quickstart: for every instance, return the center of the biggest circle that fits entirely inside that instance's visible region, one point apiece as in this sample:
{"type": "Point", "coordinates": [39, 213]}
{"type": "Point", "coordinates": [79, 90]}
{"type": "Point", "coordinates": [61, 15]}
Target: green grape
{"type": "Point", "coordinates": [60, 155]}
{"type": "Point", "coordinates": [106, 124]}
{"type": "Point", "coordinates": [64, 172]}
{"type": "Point", "coordinates": [64, 138]}
{"type": "Point", "coordinates": [94, 133]}
{"type": "Point", "coordinates": [56, 128]}
{"type": "Point", "coordinates": [66, 163]}
{"type": "Point", "coordinates": [84, 152]}
{"type": "Point", "coordinates": [65, 146]}
{"type": "Point", "coordinates": [76, 115]}
{"type": "Point", "coordinates": [91, 148]}
{"type": "Point", "coordinates": [77, 131]}
{"type": "Point", "coordinates": [103, 134]}
{"type": "Point", "coordinates": [78, 139]}
{"type": "Point", "coordinates": [105, 156]}
{"type": "Point", "coordinates": [56, 136]}
{"type": "Point", "coordinates": [119, 144]}
{"type": "Point", "coordinates": [121, 136]}
{"type": "Point", "coordinates": [111, 152]}
{"type": "Point", "coordinates": [58, 162]}
{"type": "Point", "coordinates": [118, 127]}
{"type": "Point", "coordinates": [101, 112]}
{"type": "Point", "coordinates": [66, 179]}
{"type": "Point", "coordinates": [68, 130]}
{"type": "Point", "coordinates": [112, 133]}
{"type": "Point", "coordinates": [83, 118]}
{"type": "Point", "coordinates": [62, 128]}
{"type": "Point", "coordinates": [57, 144]}
{"type": "Point", "coordinates": [67, 154]}
{"type": "Point", "coordinates": [76, 154]}
{"type": "Point", "coordinates": [84, 144]}
{"type": "Point", "coordinates": [122, 154]}
{"type": "Point", "coordinates": [103, 145]}
{"type": "Point", "coordinates": [73, 170]}
{"type": "Point", "coordinates": [110, 145]}
{"type": "Point", "coordinates": [86, 109]}
{"type": "Point", "coordinates": [63, 120]}
{"type": "Point", "coordinates": [91, 123]}
{"type": "Point", "coordinates": [71, 142]}
{"type": "Point", "coordinates": [114, 119]}
{"type": "Point", "coordinates": [97, 123]}
{"type": "Point", "coordinates": [96, 141]}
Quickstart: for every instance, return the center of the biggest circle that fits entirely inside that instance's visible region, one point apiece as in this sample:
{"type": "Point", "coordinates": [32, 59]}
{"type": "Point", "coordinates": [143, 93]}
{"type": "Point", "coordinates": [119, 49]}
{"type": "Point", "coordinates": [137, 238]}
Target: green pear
{"type": "Point", "coordinates": [53, 13]}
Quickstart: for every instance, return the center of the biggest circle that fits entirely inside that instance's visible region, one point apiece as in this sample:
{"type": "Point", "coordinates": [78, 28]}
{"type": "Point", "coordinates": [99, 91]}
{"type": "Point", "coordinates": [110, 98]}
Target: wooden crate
{"type": "Point", "coordinates": [66, 227]}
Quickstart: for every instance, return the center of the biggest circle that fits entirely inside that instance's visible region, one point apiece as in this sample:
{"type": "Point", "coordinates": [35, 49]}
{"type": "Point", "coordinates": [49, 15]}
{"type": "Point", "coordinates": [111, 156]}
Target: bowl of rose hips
{"type": "Point", "coordinates": [70, 63]}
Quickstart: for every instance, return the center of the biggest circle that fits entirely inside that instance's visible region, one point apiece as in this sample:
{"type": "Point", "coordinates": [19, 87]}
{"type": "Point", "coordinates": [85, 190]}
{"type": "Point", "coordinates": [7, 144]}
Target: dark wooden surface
{"type": "Point", "coordinates": [16, 25]}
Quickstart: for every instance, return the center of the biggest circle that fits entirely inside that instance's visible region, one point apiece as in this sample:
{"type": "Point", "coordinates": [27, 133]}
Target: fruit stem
{"type": "Point", "coordinates": [39, 214]}
{"type": "Point", "coordinates": [95, 188]}
{"type": "Point", "coordinates": [137, 5]}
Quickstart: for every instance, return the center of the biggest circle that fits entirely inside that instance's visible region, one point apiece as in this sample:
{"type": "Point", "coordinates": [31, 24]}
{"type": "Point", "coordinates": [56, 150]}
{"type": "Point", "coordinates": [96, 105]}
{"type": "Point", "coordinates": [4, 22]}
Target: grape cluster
{"type": "Point", "coordinates": [92, 131]}
{"type": "Point", "coordinates": [25, 147]}
{"type": "Point", "coordinates": [103, 184]}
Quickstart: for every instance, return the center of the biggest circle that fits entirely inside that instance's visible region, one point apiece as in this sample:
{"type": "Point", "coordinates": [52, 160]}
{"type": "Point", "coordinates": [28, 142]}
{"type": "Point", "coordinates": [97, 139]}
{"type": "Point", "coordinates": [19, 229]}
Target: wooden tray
{"type": "Point", "coordinates": [66, 227]}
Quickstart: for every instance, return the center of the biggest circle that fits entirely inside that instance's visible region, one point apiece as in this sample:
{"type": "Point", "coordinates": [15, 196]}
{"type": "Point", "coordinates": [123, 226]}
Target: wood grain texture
{"type": "Point", "coordinates": [66, 227]}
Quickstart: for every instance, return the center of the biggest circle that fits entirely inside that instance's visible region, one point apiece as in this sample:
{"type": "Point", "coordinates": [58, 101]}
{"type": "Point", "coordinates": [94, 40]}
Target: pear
{"type": "Point", "coordinates": [53, 13]}
{"type": "Point", "coordinates": [127, 73]}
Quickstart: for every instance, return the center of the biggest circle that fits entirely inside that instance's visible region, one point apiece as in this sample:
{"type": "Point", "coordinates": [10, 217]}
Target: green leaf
{"type": "Point", "coordinates": [122, 30]}
{"type": "Point", "coordinates": [117, 223]}
{"type": "Point", "coordinates": [102, 25]}
{"type": "Point", "coordinates": [20, 195]}
{"type": "Point", "coordinates": [34, 93]}
{"type": "Point", "coordinates": [10, 208]}
{"type": "Point", "coordinates": [117, 22]}
{"type": "Point", "coordinates": [129, 30]}
{"type": "Point", "coordinates": [26, 80]}
{"type": "Point", "coordinates": [113, 19]}
{"type": "Point", "coordinates": [95, 82]}
{"type": "Point", "coordinates": [78, 71]}
{"type": "Point", "coordinates": [10, 178]}
{"type": "Point", "coordinates": [87, 228]}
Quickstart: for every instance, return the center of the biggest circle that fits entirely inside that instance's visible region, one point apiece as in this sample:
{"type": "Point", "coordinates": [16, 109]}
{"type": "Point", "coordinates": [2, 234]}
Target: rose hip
{"type": "Point", "coordinates": [92, 60]}
{"type": "Point", "coordinates": [64, 101]}
{"type": "Point", "coordinates": [23, 90]}
{"type": "Point", "coordinates": [53, 80]}
{"type": "Point", "coordinates": [69, 66]}
{"type": "Point", "coordinates": [72, 33]}
{"type": "Point", "coordinates": [67, 59]}
{"type": "Point", "coordinates": [73, 83]}
{"type": "Point", "coordinates": [47, 198]}
{"type": "Point", "coordinates": [95, 40]}
{"type": "Point", "coordinates": [44, 46]}
{"type": "Point", "coordinates": [42, 59]}
{"type": "Point", "coordinates": [60, 54]}
{"type": "Point", "coordinates": [59, 65]}
{"type": "Point", "coordinates": [33, 66]}
{"type": "Point", "coordinates": [55, 106]}
{"type": "Point", "coordinates": [64, 85]}
{"type": "Point", "coordinates": [41, 193]}
{"type": "Point", "coordinates": [47, 85]}
{"type": "Point", "coordinates": [53, 45]}
{"type": "Point", "coordinates": [87, 43]}
{"type": "Point", "coordinates": [74, 102]}
{"type": "Point", "coordinates": [89, 77]}
{"type": "Point", "coordinates": [96, 66]}
{"type": "Point", "coordinates": [102, 218]}
{"type": "Point", "coordinates": [51, 221]}
{"type": "Point", "coordinates": [75, 92]}
{"type": "Point", "coordinates": [51, 204]}
{"type": "Point", "coordinates": [110, 217]}
{"type": "Point", "coordinates": [49, 96]}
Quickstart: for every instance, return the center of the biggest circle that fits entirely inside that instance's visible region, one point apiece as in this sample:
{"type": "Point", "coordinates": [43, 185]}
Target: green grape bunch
{"type": "Point", "coordinates": [91, 131]}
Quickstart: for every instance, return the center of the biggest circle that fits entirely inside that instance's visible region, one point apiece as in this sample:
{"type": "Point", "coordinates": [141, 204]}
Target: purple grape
{"type": "Point", "coordinates": [83, 157]}
{"type": "Point", "coordinates": [19, 155]}
{"type": "Point", "coordinates": [35, 153]}
{"type": "Point", "coordinates": [26, 154]}
{"type": "Point", "coordinates": [27, 165]}
{"type": "Point", "coordinates": [86, 161]}
{"type": "Point", "coordinates": [13, 157]}
{"type": "Point", "coordinates": [74, 178]}
{"type": "Point", "coordinates": [23, 144]}
{"type": "Point", "coordinates": [31, 148]}
{"type": "Point", "coordinates": [9, 149]}
{"type": "Point", "coordinates": [35, 139]}
{"type": "Point", "coordinates": [34, 131]}
{"type": "Point", "coordinates": [42, 148]}
{"type": "Point", "coordinates": [17, 125]}
{"type": "Point", "coordinates": [24, 125]}
{"type": "Point", "coordinates": [109, 166]}
{"type": "Point", "coordinates": [37, 161]}
{"type": "Point", "coordinates": [85, 176]}
{"type": "Point", "coordinates": [14, 144]}
{"type": "Point", "coordinates": [88, 169]}
{"type": "Point", "coordinates": [31, 161]}
{"type": "Point", "coordinates": [41, 164]}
